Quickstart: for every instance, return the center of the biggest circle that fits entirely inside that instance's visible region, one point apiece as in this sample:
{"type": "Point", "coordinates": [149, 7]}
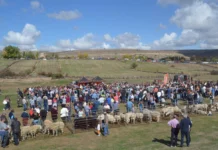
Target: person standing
{"type": "Point", "coordinates": [11, 116]}
{"type": "Point", "coordinates": [3, 132]}
{"type": "Point", "coordinates": [15, 126]}
{"type": "Point", "coordinates": [129, 106]}
{"type": "Point", "coordinates": [106, 131]}
{"type": "Point", "coordinates": [24, 101]}
{"type": "Point", "coordinates": [185, 125]}
{"type": "Point", "coordinates": [43, 115]}
{"type": "Point", "coordinates": [64, 113]}
{"type": "Point", "coordinates": [174, 130]}
{"type": "Point", "coordinates": [25, 117]}
{"type": "Point", "coordinates": [54, 113]}
{"type": "Point", "coordinates": [190, 129]}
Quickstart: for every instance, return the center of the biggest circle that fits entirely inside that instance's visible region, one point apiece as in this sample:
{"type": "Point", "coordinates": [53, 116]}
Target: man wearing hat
{"type": "Point", "coordinates": [185, 125]}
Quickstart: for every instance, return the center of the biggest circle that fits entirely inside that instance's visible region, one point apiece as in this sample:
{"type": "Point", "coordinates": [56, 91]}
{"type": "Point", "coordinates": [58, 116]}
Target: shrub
{"type": "Point", "coordinates": [83, 56]}
{"type": "Point", "coordinates": [57, 76]}
{"type": "Point", "coordinates": [49, 74]}
{"type": "Point", "coordinates": [214, 72]}
{"type": "Point", "coordinates": [42, 73]}
{"type": "Point", "coordinates": [7, 73]}
{"type": "Point", "coordinates": [134, 65]}
{"type": "Point", "coordinates": [28, 71]}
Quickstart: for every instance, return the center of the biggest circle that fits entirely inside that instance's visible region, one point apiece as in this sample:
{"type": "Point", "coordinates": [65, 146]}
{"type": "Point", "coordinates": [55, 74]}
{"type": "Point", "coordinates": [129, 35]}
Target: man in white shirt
{"type": "Point", "coordinates": [64, 113]}
{"type": "Point", "coordinates": [24, 103]}
{"type": "Point", "coordinates": [101, 100]}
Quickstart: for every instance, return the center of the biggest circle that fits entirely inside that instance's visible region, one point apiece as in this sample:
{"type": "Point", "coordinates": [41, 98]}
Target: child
{"type": "Point", "coordinates": [98, 129]}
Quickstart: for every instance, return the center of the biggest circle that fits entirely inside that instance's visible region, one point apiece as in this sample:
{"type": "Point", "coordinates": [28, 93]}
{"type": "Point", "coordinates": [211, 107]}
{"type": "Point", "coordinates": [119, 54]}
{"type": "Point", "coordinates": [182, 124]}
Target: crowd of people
{"type": "Point", "coordinates": [92, 99]}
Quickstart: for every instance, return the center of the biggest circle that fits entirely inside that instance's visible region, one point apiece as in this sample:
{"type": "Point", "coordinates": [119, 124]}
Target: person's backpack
{"type": "Point", "coordinates": [16, 125]}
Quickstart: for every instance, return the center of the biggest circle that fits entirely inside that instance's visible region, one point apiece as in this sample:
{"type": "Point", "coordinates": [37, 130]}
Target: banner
{"type": "Point", "coordinates": [166, 78]}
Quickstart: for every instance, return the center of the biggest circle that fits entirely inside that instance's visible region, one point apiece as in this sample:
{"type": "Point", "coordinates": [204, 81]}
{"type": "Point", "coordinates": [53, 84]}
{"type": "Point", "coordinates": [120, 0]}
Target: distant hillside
{"type": "Point", "coordinates": [148, 53]}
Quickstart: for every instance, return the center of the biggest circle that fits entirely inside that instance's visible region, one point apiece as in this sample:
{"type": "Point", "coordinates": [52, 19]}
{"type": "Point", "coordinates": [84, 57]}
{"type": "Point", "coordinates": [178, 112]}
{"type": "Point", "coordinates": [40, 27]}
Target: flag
{"type": "Point", "coordinates": [166, 78]}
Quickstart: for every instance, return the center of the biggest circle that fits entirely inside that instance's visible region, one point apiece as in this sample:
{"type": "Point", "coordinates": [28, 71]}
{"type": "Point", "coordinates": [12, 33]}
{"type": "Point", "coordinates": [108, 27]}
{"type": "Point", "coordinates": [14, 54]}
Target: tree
{"type": "Point", "coordinates": [11, 52]}
{"type": "Point", "coordinates": [56, 56]}
{"type": "Point", "coordinates": [37, 55]}
{"type": "Point", "coordinates": [127, 56]}
{"type": "Point", "coordinates": [134, 65]}
{"type": "Point", "coordinates": [30, 55]}
{"type": "Point", "coordinates": [24, 54]}
{"type": "Point", "coordinates": [83, 56]}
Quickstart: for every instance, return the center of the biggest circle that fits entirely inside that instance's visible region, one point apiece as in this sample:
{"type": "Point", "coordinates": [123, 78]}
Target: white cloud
{"type": "Point", "coordinates": [106, 46]}
{"type": "Point", "coordinates": [198, 22]}
{"type": "Point", "coordinates": [176, 2]}
{"type": "Point", "coordinates": [126, 40]}
{"type": "Point", "coordinates": [107, 37]}
{"type": "Point", "coordinates": [199, 16]}
{"type": "Point", "coordinates": [66, 15]}
{"type": "Point", "coordinates": [162, 26]}
{"type": "Point", "coordinates": [90, 41]}
{"type": "Point", "coordinates": [25, 39]}
{"type": "Point", "coordinates": [167, 41]}
{"type": "Point", "coordinates": [35, 5]}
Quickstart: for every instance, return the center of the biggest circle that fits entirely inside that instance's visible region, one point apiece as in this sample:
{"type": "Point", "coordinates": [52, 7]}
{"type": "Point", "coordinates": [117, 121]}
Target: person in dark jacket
{"type": "Point", "coordinates": [43, 114]}
{"type": "Point", "coordinates": [15, 126]}
{"type": "Point", "coordinates": [185, 126]}
{"type": "Point", "coordinates": [54, 114]}
{"type": "Point", "coordinates": [25, 117]}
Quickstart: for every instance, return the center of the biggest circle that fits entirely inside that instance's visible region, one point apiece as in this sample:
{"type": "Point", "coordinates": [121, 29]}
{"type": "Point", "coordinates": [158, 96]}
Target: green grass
{"type": "Point", "coordinates": [22, 66]}
{"type": "Point", "coordinates": [4, 63]}
{"type": "Point", "coordinates": [110, 69]}
{"type": "Point", "coordinates": [132, 137]}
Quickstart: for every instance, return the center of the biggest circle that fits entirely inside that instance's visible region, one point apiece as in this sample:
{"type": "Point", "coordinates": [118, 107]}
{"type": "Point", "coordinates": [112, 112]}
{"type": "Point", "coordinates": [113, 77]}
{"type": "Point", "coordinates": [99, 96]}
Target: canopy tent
{"type": "Point", "coordinates": [97, 80]}
{"type": "Point", "coordinates": [83, 80]}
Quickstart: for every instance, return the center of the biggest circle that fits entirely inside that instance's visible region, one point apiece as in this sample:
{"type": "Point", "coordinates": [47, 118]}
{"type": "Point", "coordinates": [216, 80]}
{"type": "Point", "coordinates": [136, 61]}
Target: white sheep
{"type": "Point", "coordinates": [133, 117]}
{"type": "Point", "coordinates": [35, 129]}
{"type": "Point", "coordinates": [117, 118]}
{"type": "Point", "coordinates": [60, 126]}
{"type": "Point", "coordinates": [54, 128]}
{"type": "Point", "coordinates": [127, 118]}
{"type": "Point", "coordinates": [100, 117]}
{"type": "Point", "coordinates": [25, 130]}
{"type": "Point", "coordinates": [47, 124]}
{"type": "Point", "coordinates": [147, 115]}
{"type": "Point", "coordinates": [122, 116]}
{"type": "Point", "coordinates": [201, 112]}
{"type": "Point", "coordinates": [111, 118]}
{"type": "Point", "coordinates": [139, 116]}
{"type": "Point", "coordinates": [155, 116]}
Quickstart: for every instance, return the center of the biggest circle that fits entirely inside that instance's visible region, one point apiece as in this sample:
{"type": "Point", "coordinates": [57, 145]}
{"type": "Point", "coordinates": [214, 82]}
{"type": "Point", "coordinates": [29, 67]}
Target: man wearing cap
{"type": "Point", "coordinates": [174, 124]}
{"type": "Point", "coordinates": [185, 125]}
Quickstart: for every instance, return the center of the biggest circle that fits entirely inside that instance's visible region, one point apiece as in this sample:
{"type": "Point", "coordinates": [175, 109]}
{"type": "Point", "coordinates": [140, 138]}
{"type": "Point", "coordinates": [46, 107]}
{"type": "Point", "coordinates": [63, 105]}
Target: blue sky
{"type": "Point", "coordinates": [96, 24]}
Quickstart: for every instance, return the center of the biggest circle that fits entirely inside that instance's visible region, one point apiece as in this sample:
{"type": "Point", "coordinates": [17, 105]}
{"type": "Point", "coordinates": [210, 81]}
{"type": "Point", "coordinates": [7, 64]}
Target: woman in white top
{"type": "Point", "coordinates": [64, 113]}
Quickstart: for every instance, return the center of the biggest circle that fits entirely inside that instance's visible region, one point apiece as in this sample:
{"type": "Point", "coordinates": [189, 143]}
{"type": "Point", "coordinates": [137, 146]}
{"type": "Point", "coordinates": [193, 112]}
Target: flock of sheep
{"type": "Point", "coordinates": [131, 117]}
{"type": "Point", "coordinates": [48, 127]}
{"type": "Point", "coordinates": [149, 116]}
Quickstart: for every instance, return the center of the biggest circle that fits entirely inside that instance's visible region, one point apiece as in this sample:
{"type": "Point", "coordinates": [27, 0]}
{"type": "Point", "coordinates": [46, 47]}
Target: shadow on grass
{"type": "Point", "coordinates": [162, 141]}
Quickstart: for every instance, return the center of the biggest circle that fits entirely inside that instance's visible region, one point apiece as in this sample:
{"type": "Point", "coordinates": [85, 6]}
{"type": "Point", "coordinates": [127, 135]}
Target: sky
{"type": "Point", "coordinates": [57, 25]}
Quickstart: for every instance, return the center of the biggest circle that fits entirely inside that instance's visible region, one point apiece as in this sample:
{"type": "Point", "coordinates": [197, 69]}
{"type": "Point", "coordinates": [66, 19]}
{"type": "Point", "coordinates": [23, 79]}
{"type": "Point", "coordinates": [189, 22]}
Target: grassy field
{"type": "Point", "coordinates": [110, 69]}
{"type": "Point", "coordinates": [133, 137]}
{"type": "Point", "coordinates": [154, 136]}
{"type": "Point", "coordinates": [5, 63]}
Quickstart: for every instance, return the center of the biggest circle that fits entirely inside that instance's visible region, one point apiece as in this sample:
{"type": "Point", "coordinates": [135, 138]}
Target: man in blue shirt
{"type": "Point", "coordinates": [129, 106]}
